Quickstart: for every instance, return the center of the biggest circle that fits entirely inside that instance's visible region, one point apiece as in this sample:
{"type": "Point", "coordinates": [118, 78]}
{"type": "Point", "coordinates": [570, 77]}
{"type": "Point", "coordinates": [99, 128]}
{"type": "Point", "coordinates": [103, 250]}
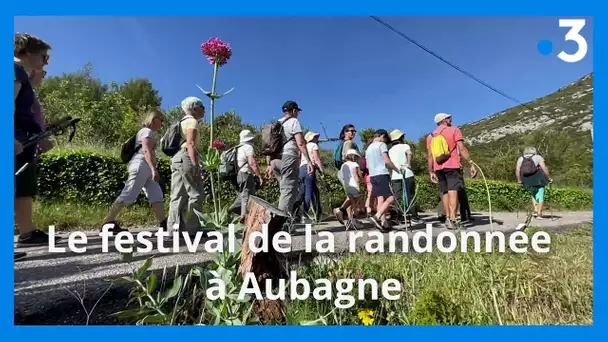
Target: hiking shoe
{"type": "Point", "coordinates": [117, 229]}
{"type": "Point", "coordinates": [20, 255]}
{"type": "Point", "coordinates": [35, 238]}
{"type": "Point", "coordinates": [339, 215]}
{"type": "Point", "coordinates": [163, 225]}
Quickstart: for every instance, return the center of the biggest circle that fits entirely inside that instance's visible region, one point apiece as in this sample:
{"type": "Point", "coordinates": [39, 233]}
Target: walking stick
{"type": "Point", "coordinates": [56, 128]}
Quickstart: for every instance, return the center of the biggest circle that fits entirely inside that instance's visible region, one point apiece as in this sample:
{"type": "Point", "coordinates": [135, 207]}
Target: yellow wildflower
{"type": "Point", "coordinates": [366, 317]}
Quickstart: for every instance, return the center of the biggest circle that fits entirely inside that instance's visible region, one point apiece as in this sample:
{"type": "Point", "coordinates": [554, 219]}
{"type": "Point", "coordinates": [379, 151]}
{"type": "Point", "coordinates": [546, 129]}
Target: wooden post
{"type": "Point", "coordinates": [264, 265]}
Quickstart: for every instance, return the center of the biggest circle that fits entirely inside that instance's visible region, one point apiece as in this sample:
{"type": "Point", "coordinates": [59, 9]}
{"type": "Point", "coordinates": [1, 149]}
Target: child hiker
{"type": "Point", "coordinates": [349, 176]}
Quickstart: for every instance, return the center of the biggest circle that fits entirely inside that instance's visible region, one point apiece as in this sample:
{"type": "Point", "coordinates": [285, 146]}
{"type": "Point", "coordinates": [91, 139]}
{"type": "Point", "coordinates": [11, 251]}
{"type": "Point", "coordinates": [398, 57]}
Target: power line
{"type": "Point", "coordinates": [411, 40]}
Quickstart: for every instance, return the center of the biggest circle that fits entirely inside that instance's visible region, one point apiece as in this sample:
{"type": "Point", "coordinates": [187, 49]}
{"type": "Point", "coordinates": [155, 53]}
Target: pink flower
{"type": "Point", "coordinates": [216, 51]}
{"type": "Point", "coordinates": [218, 145]}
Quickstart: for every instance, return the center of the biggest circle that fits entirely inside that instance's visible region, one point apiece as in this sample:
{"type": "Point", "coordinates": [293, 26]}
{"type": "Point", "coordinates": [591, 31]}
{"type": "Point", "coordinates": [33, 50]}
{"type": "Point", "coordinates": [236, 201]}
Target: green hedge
{"type": "Point", "coordinates": [98, 177]}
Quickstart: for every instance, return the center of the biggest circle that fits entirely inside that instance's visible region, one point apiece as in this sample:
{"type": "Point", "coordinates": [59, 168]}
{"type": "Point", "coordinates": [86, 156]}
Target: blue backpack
{"type": "Point", "coordinates": [338, 154]}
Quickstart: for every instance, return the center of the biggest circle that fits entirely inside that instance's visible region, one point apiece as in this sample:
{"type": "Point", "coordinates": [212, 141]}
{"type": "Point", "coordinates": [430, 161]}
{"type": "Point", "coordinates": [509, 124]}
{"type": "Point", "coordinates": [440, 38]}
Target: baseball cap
{"type": "Point", "coordinates": [290, 105]}
{"type": "Point", "coordinates": [441, 116]}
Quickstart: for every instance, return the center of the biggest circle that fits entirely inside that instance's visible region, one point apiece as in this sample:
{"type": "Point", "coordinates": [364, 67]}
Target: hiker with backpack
{"type": "Point", "coordinates": [403, 184]}
{"type": "Point", "coordinates": [309, 190]}
{"type": "Point", "coordinates": [239, 164]}
{"type": "Point", "coordinates": [445, 146]}
{"type": "Point", "coordinates": [347, 143]}
{"type": "Point", "coordinates": [380, 166]}
{"type": "Point", "coordinates": [533, 175]}
{"type": "Point", "coordinates": [138, 152]}
{"type": "Point", "coordinates": [283, 142]}
{"type": "Point", "coordinates": [180, 142]}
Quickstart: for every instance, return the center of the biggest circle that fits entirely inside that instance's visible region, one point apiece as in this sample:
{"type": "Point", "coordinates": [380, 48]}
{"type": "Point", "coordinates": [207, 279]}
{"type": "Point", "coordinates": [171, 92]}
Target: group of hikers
{"type": "Point", "coordinates": [292, 157]}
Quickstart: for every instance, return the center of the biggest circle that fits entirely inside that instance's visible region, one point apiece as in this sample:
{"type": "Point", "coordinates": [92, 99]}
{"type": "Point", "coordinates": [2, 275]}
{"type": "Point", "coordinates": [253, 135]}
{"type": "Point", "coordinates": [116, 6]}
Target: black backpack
{"type": "Point", "coordinates": [172, 141]}
{"type": "Point", "coordinates": [129, 148]}
{"type": "Point", "coordinates": [528, 167]}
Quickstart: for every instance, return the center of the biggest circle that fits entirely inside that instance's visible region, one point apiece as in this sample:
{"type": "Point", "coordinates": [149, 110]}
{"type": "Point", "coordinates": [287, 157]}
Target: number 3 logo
{"type": "Point", "coordinates": [576, 25]}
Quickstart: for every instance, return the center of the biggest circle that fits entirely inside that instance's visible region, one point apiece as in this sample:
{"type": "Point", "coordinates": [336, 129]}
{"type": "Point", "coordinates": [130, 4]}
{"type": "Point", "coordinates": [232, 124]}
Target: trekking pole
{"type": "Point", "coordinates": [56, 128]}
{"type": "Point", "coordinates": [405, 204]}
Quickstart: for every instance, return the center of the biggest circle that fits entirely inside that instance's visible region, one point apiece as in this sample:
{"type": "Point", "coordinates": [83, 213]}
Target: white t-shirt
{"type": "Point", "coordinates": [291, 127]}
{"type": "Point", "coordinates": [303, 163]}
{"type": "Point", "coordinates": [374, 159]}
{"type": "Point", "coordinates": [398, 156]}
{"type": "Point", "coordinates": [242, 156]}
{"type": "Point", "coordinates": [347, 174]}
{"type": "Point", "coordinates": [141, 135]}
{"type": "Point", "coordinates": [310, 147]}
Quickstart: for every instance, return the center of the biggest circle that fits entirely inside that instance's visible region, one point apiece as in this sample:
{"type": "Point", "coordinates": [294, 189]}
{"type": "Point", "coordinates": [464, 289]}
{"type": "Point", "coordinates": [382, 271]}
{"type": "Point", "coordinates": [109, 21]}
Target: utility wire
{"type": "Point", "coordinates": [449, 63]}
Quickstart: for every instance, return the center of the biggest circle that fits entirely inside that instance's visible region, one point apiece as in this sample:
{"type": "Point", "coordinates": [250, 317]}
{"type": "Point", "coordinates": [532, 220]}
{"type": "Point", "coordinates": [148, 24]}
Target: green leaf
{"type": "Point", "coordinates": [144, 267]}
{"type": "Point", "coordinates": [154, 319]}
{"type": "Point", "coordinates": [174, 291]}
{"type": "Point", "coordinates": [151, 283]}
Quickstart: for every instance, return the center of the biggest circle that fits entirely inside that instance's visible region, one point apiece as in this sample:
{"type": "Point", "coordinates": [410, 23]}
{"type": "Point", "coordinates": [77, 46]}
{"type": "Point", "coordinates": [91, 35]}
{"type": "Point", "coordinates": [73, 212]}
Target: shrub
{"type": "Point", "coordinates": [98, 177]}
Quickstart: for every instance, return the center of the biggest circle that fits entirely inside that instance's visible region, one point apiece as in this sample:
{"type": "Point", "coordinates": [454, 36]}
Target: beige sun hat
{"type": "Point", "coordinates": [353, 152]}
{"type": "Point", "coordinates": [245, 136]}
{"type": "Point", "coordinates": [396, 135]}
{"type": "Point", "coordinates": [310, 135]}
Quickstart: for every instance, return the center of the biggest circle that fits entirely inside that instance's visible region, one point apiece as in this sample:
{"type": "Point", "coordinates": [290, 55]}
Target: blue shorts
{"type": "Point", "coordinates": [538, 194]}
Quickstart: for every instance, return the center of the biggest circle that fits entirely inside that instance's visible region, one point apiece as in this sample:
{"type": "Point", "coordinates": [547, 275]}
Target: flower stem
{"type": "Point", "coordinates": [213, 85]}
{"type": "Point", "coordinates": [213, 195]}
{"type": "Point", "coordinates": [212, 110]}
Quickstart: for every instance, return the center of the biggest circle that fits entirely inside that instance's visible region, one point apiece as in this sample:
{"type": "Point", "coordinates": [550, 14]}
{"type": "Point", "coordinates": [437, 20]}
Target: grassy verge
{"type": "Point", "coordinates": [466, 289]}
{"type": "Point", "coordinates": [69, 216]}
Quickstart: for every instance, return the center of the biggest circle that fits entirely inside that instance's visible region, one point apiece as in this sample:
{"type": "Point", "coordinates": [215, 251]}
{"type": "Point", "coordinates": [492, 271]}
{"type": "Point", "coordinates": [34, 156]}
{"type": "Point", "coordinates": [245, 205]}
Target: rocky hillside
{"type": "Point", "coordinates": [569, 108]}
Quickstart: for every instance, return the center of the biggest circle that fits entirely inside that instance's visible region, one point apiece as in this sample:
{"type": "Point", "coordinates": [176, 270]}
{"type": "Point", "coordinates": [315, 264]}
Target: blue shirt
{"type": "Point", "coordinates": [375, 160]}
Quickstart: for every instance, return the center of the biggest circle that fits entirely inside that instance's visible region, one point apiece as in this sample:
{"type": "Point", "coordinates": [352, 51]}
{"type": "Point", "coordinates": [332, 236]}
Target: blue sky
{"type": "Point", "coordinates": [339, 69]}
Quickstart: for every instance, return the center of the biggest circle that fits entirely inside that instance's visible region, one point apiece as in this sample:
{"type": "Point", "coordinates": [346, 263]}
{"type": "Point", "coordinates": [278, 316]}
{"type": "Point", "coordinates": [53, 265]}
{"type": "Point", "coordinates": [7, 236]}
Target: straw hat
{"type": "Point", "coordinates": [353, 152]}
{"type": "Point", "coordinates": [396, 135]}
{"type": "Point", "coordinates": [245, 136]}
{"type": "Point", "coordinates": [310, 135]}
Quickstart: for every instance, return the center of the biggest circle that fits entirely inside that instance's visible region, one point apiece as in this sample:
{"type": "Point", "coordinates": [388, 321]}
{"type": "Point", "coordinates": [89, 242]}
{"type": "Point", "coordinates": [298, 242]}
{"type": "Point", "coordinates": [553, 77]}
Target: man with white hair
{"type": "Point", "coordinates": [445, 146]}
{"type": "Point", "coordinates": [533, 175]}
{"type": "Point", "coordinates": [187, 191]}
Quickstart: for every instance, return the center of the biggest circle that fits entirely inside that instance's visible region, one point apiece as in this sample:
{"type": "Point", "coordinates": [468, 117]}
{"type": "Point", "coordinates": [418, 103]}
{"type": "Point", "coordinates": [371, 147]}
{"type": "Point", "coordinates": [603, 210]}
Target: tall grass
{"type": "Point", "coordinates": [467, 288]}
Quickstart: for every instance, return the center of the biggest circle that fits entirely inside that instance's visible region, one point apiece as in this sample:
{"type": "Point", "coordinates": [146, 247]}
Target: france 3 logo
{"type": "Point", "coordinates": [545, 47]}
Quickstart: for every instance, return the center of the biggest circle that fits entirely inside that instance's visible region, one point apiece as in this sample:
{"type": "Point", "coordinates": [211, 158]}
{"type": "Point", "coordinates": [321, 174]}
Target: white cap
{"type": "Point", "coordinates": [441, 116]}
{"type": "Point", "coordinates": [245, 136]}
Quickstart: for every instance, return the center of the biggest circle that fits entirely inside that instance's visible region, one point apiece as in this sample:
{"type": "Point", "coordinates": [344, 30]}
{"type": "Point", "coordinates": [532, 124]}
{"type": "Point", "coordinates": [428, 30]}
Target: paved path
{"type": "Point", "coordinates": [42, 279]}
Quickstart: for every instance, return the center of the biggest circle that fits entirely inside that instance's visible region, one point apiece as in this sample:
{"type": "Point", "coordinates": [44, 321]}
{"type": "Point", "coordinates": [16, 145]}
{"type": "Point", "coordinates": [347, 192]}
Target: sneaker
{"type": "Point", "coordinates": [386, 224]}
{"type": "Point", "coordinates": [339, 215]}
{"type": "Point", "coordinates": [449, 224]}
{"type": "Point", "coordinates": [117, 229]}
{"type": "Point", "coordinates": [376, 222]}
{"type": "Point", "coordinates": [34, 238]}
{"type": "Point", "coordinates": [357, 224]}
{"type": "Point", "coordinates": [20, 255]}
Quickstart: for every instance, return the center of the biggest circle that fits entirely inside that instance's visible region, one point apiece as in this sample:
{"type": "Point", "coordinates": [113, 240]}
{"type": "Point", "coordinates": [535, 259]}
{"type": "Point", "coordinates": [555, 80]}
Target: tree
{"type": "Point", "coordinates": [140, 95]}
